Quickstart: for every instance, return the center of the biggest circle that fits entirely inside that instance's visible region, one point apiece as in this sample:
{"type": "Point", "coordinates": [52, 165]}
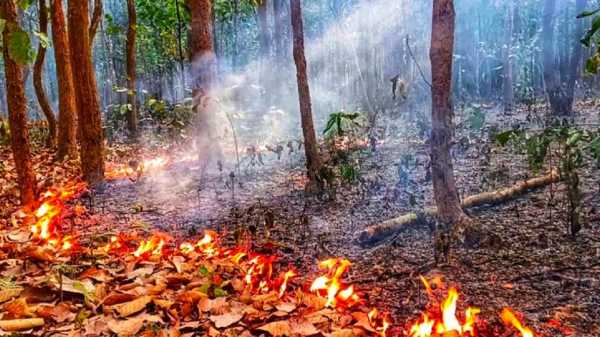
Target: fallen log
{"type": "Point", "coordinates": [378, 232]}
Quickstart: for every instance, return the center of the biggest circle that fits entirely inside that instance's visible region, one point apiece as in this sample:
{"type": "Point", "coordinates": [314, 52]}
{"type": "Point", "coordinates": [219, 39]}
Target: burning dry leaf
{"type": "Point", "coordinates": [226, 320]}
{"type": "Point", "coordinates": [9, 294]}
{"type": "Point", "coordinates": [18, 309]}
{"type": "Point", "coordinates": [132, 307]}
{"type": "Point", "coordinates": [362, 321]}
{"type": "Point", "coordinates": [21, 324]}
{"type": "Point", "coordinates": [277, 328]}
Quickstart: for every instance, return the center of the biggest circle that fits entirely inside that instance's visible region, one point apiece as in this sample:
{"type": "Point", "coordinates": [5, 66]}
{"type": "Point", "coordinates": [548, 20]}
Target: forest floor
{"type": "Point", "coordinates": [525, 260]}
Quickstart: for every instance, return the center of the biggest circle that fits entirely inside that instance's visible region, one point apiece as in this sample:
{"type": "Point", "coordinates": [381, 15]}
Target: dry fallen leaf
{"type": "Point", "coordinates": [286, 307]}
{"type": "Point", "coordinates": [9, 294]}
{"type": "Point", "coordinates": [225, 320]}
{"type": "Point", "coordinates": [278, 328]}
{"type": "Point", "coordinates": [132, 307]}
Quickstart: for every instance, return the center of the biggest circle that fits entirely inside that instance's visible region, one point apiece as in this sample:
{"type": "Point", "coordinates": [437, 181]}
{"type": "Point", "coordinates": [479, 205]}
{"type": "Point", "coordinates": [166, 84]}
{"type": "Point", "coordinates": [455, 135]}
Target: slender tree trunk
{"type": "Point", "coordinates": [86, 94]}
{"type": "Point", "coordinates": [96, 19]}
{"type": "Point", "coordinates": [446, 196]}
{"type": "Point", "coordinates": [509, 96]}
{"type": "Point", "coordinates": [180, 47]}
{"type": "Point", "coordinates": [38, 82]}
{"type": "Point", "coordinates": [132, 113]}
{"type": "Point", "coordinates": [557, 96]}
{"type": "Point", "coordinates": [17, 108]}
{"type": "Point", "coordinates": [576, 56]}
{"type": "Point", "coordinates": [263, 23]}
{"type": "Point", "coordinates": [279, 29]}
{"type": "Point", "coordinates": [313, 160]}
{"type": "Point", "coordinates": [67, 137]}
{"type": "Point", "coordinates": [202, 50]}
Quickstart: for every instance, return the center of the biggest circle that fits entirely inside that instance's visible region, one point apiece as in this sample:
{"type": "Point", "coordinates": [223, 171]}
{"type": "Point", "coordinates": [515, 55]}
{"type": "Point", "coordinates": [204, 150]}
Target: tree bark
{"type": "Point", "coordinates": [67, 138]}
{"type": "Point", "coordinates": [17, 109]}
{"type": "Point", "coordinates": [441, 53]}
{"type": "Point", "coordinates": [180, 47]}
{"type": "Point", "coordinates": [263, 23]}
{"type": "Point", "coordinates": [38, 70]}
{"type": "Point", "coordinates": [91, 137]}
{"type": "Point", "coordinates": [202, 51]}
{"type": "Point", "coordinates": [96, 19]}
{"type": "Point", "coordinates": [450, 214]}
{"type": "Point", "coordinates": [313, 160]}
{"type": "Point", "coordinates": [132, 113]}
{"type": "Point", "coordinates": [378, 232]}
{"type": "Point", "coordinates": [576, 57]}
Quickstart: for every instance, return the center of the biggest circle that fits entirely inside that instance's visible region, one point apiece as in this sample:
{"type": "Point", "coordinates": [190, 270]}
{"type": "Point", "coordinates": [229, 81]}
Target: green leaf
{"type": "Point", "coordinates": [204, 288]}
{"type": "Point", "coordinates": [503, 138]}
{"type": "Point", "coordinates": [220, 292]}
{"type": "Point", "coordinates": [19, 48]}
{"type": "Point", "coordinates": [591, 65]}
{"type": "Point", "coordinates": [24, 4]}
{"type": "Point", "coordinates": [591, 32]}
{"type": "Point", "coordinates": [204, 271]}
{"type": "Point", "coordinates": [587, 13]}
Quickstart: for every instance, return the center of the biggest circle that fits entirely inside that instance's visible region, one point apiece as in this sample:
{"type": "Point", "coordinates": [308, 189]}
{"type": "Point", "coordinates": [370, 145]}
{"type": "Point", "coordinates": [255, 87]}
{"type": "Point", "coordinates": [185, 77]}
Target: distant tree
{"type": "Point", "coordinates": [280, 47]}
{"type": "Point", "coordinates": [450, 212]}
{"type": "Point", "coordinates": [560, 81]}
{"type": "Point", "coordinates": [132, 113]}
{"type": "Point", "coordinates": [91, 140]}
{"type": "Point", "coordinates": [508, 81]}
{"type": "Point", "coordinates": [264, 35]}
{"type": "Point", "coordinates": [67, 139]}
{"type": "Point", "coordinates": [16, 52]}
{"type": "Point", "coordinates": [311, 149]}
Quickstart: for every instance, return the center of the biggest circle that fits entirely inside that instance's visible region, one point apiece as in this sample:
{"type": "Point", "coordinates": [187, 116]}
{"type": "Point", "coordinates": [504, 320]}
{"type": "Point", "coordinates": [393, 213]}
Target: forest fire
{"type": "Point", "coordinates": [508, 317]}
{"type": "Point", "coordinates": [152, 247]}
{"type": "Point", "coordinates": [331, 287]}
{"type": "Point", "coordinates": [136, 169]}
{"type": "Point", "coordinates": [49, 214]}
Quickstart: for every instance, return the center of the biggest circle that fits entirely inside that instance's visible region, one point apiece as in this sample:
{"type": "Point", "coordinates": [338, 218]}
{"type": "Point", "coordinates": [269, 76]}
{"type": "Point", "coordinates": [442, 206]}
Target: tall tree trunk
{"type": "Point", "coordinates": [96, 19]}
{"type": "Point", "coordinates": [279, 29]}
{"type": "Point", "coordinates": [509, 96]}
{"type": "Point", "coordinates": [313, 160]}
{"type": "Point", "coordinates": [263, 33]}
{"type": "Point", "coordinates": [17, 108]}
{"type": "Point", "coordinates": [446, 196]}
{"type": "Point", "coordinates": [67, 138]}
{"type": "Point", "coordinates": [202, 50]}
{"type": "Point", "coordinates": [576, 56]}
{"type": "Point", "coordinates": [38, 70]}
{"type": "Point", "coordinates": [132, 114]}
{"type": "Point", "coordinates": [561, 107]}
{"type": "Point", "coordinates": [91, 137]}
{"type": "Point", "coordinates": [180, 47]}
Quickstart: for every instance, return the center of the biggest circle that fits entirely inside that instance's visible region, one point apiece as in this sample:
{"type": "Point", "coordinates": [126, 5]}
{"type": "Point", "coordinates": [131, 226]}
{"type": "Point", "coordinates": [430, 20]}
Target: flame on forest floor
{"type": "Point", "coordinates": [49, 214]}
{"type": "Point", "coordinates": [331, 286]}
{"type": "Point", "coordinates": [508, 317]}
{"type": "Point", "coordinates": [152, 246]}
{"type": "Point", "coordinates": [134, 169]}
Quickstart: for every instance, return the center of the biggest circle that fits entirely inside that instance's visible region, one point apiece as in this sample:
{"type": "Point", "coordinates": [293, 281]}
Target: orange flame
{"type": "Point", "coordinates": [286, 278]}
{"type": "Point", "coordinates": [508, 317]}
{"type": "Point", "coordinates": [330, 284]}
{"type": "Point", "coordinates": [152, 246]}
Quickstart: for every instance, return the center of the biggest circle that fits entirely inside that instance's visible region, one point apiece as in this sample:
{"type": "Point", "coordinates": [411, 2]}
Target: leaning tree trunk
{"type": "Point", "coordinates": [67, 138]}
{"type": "Point", "coordinates": [17, 108]}
{"type": "Point", "coordinates": [132, 114]}
{"type": "Point", "coordinates": [446, 196]}
{"type": "Point", "coordinates": [96, 19]}
{"type": "Point", "coordinates": [313, 160]}
{"type": "Point", "coordinates": [561, 107]}
{"type": "Point", "coordinates": [91, 137]}
{"type": "Point", "coordinates": [38, 70]}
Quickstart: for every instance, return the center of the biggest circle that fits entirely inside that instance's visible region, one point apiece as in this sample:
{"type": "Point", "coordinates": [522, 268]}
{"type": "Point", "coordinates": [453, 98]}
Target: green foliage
{"type": "Point", "coordinates": [19, 47]}
{"type": "Point", "coordinates": [349, 173]}
{"type": "Point", "coordinates": [43, 38]}
{"type": "Point", "coordinates": [341, 122]}
{"type": "Point", "coordinates": [593, 63]}
{"type": "Point", "coordinates": [4, 132]}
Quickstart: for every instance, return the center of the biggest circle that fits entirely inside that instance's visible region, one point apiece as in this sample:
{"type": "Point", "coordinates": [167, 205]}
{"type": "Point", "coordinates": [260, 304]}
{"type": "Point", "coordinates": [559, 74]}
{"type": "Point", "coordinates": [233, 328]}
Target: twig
{"type": "Point", "coordinates": [416, 63]}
